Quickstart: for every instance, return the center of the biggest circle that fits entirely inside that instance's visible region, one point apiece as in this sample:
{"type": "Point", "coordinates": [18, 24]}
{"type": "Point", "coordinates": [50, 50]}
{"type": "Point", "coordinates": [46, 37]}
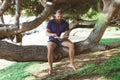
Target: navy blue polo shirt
{"type": "Point", "coordinates": [57, 28]}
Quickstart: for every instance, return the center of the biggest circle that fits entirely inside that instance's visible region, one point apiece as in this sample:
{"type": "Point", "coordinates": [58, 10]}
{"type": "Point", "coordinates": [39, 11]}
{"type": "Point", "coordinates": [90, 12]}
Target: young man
{"type": "Point", "coordinates": [54, 29]}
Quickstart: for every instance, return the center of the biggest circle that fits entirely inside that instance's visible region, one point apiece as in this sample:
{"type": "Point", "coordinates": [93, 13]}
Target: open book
{"type": "Point", "coordinates": [62, 36]}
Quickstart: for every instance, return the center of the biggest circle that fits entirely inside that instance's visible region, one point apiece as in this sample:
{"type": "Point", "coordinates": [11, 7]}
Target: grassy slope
{"type": "Point", "coordinates": [108, 69]}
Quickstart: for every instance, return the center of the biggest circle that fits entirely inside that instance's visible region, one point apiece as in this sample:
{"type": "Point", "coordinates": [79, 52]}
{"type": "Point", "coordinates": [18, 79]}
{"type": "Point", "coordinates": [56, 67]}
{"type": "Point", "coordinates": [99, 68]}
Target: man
{"type": "Point", "coordinates": [54, 29]}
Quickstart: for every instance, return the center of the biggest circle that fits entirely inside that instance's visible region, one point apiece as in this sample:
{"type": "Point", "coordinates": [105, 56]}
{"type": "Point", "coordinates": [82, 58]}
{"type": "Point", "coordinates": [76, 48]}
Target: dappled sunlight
{"type": "Point", "coordinates": [79, 34]}
{"type": "Point", "coordinates": [40, 69]}
{"type": "Point", "coordinates": [111, 33]}
{"type": "Point", "coordinates": [30, 78]}
{"type": "Point", "coordinates": [62, 67]}
{"type": "Point", "coordinates": [36, 68]}
{"type": "Point", "coordinates": [80, 61]}
{"type": "Point", "coordinates": [107, 53]}
{"type": "Point", "coordinates": [35, 39]}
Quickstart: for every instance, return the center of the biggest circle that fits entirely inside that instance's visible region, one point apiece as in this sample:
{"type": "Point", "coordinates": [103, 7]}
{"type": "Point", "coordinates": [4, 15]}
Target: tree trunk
{"type": "Point", "coordinates": [32, 53]}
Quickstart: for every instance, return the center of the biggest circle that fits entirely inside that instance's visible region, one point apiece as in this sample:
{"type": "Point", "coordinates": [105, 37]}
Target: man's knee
{"type": "Point", "coordinates": [51, 46]}
{"type": "Point", "coordinates": [71, 45]}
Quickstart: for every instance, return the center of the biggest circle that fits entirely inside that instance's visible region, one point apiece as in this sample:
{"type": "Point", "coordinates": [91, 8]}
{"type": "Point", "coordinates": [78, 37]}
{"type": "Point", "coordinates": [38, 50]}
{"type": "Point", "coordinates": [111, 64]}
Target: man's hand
{"type": "Point", "coordinates": [54, 35]}
{"type": "Point", "coordinates": [61, 39]}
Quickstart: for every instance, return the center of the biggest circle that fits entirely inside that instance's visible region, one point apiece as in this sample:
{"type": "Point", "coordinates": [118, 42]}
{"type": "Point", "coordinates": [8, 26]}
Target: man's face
{"type": "Point", "coordinates": [58, 16]}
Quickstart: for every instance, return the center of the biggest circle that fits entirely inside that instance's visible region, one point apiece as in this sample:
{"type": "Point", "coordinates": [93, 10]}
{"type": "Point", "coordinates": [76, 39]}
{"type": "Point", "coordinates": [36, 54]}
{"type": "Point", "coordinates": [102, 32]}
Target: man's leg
{"type": "Point", "coordinates": [70, 45]}
{"type": "Point", "coordinates": [51, 46]}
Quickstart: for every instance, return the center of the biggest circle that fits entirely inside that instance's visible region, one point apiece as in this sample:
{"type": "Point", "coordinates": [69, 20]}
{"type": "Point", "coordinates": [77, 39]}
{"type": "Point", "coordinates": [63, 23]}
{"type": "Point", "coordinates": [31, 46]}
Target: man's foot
{"type": "Point", "coordinates": [73, 67]}
{"type": "Point", "coordinates": [37, 75]}
{"type": "Point", "coordinates": [50, 72]}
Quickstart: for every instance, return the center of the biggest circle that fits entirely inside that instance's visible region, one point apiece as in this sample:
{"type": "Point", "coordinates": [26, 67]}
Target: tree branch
{"type": "Point", "coordinates": [114, 45]}
{"type": "Point", "coordinates": [102, 23]}
{"type": "Point", "coordinates": [7, 31]}
{"type": "Point", "coordinates": [43, 2]}
{"type": "Point", "coordinates": [17, 13]}
{"type": "Point", "coordinates": [36, 22]}
{"type": "Point", "coordinates": [5, 5]}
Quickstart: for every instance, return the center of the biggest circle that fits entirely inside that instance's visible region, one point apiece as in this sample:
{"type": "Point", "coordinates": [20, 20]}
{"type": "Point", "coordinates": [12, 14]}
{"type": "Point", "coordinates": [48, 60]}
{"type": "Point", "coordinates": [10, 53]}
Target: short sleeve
{"type": "Point", "coordinates": [67, 26]}
{"type": "Point", "coordinates": [49, 25]}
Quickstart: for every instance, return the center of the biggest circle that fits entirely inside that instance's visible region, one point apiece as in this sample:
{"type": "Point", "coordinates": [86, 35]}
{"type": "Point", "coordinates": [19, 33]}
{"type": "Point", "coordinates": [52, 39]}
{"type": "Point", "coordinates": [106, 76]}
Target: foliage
{"type": "Point", "coordinates": [117, 29]}
{"type": "Point", "coordinates": [90, 15]}
{"type": "Point", "coordinates": [32, 7]}
{"type": "Point", "coordinates": [28, 7]}
{"type": "Point", "coordinates": [73, 9]}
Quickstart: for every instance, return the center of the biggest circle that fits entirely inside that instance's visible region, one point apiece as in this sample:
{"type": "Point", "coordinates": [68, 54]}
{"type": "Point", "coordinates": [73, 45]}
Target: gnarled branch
{"type": "Point", "coordinates": [5, 5]}
{"type": "Point", "coordinates": [12, 29]}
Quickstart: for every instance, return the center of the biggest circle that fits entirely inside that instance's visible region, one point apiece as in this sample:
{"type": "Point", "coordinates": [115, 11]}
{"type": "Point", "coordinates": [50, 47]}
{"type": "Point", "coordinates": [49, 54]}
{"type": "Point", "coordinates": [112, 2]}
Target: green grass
{"type": "Point", "coordinates": [81, 72]}
{"type": "Point", "coordinates": [109, 40]}
{"type": "Point", "coordinates": [109, 65]}
{"type": "Point", "coordinates": [16, 71]}
{"type": "Point", "coordinates": [110, 69]}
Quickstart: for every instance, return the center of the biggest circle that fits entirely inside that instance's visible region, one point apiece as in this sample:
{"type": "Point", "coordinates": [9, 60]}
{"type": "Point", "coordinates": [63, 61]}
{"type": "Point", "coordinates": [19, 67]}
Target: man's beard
{"type": "Point", "coordinates": [59, 20]}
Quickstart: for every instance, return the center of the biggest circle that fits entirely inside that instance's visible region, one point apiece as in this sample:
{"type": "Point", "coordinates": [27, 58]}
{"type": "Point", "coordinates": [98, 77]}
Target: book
{"type": "Point", "coordinates": [62, 36]}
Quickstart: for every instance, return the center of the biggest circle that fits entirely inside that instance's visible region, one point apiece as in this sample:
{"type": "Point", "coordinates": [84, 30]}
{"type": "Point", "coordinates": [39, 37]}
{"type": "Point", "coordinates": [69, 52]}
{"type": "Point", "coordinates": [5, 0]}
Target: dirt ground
{"type": "Point", "coordinates": [80, 61]}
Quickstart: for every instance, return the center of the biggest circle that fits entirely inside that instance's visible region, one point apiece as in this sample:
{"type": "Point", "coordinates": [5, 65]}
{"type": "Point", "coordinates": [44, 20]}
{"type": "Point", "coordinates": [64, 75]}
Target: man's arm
{"type": "Point", "coordinates": [66, 35]}
{"type": "Point", "coordinates": [67, 31]}
{"type": "Point", "coordinates": [48, 33]}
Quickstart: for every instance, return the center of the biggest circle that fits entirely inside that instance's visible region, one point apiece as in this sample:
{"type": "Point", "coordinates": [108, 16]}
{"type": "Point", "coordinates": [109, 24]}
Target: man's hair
{"type": "Point", "coordinates": [59, 11]}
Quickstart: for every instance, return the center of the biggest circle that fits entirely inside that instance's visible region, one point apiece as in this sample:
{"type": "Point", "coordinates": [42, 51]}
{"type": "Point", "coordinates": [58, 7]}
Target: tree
{"type": "Point", "coordinates": [39, 53]}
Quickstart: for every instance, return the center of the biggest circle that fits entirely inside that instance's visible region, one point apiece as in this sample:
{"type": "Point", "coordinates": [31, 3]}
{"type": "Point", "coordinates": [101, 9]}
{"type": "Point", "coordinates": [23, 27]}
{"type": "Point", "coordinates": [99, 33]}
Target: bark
{"type": "Point", "coordinates": [2, 19]}
{"type": "Point", "coordinates": [18, 53]}
{"type": "Point", "coordinates": [5, 5]}
{"type": "Point", "coordinates": [31, 53]}
{"type": "Point", "coordinates": [17, 13]}
{"type": "Point", "coordinates": [17, 21]}
{"type": "Point", "coordinates": [114, 22]}
{"type": "Point", "coordinates": [114, 45]}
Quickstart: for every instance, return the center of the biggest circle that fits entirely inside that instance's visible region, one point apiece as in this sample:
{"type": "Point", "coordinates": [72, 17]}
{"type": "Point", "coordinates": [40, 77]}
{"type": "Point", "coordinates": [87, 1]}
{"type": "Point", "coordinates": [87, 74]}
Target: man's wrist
{"type": "Point", "coordinates": [53, 35]}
